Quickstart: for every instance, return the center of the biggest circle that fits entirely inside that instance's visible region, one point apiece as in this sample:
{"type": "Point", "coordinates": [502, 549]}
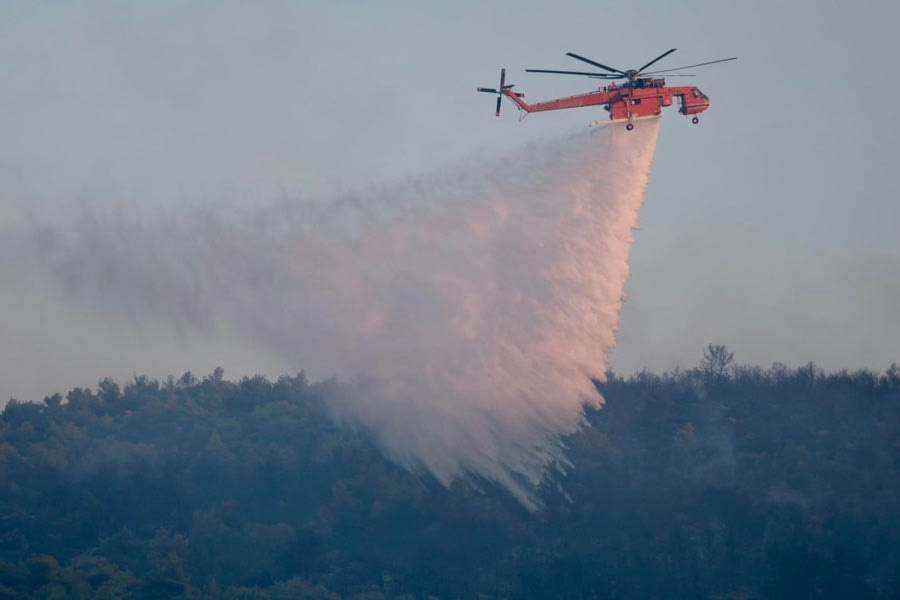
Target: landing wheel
{"type": "Point", "coordinates": [695, 120]}
{"type": "Point", "coordinates": [629, 126]}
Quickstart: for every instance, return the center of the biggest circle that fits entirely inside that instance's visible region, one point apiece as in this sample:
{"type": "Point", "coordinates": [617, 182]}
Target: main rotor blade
{"type": "Point", "coordinates": [596, 64]}
{"type": "Point", "coordinates": [488, 90]}
{"type": "Point", "coordinates": [712, 62]}
{"type": "Point", "coordinates": [600, 75]}
{"type": "Point", "coordinates": [663, 55]}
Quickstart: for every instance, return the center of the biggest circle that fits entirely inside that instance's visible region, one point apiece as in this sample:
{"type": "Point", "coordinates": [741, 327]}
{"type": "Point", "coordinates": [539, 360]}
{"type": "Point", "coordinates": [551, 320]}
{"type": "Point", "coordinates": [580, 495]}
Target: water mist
{"type": "Point", "coordinates": [465, 312]}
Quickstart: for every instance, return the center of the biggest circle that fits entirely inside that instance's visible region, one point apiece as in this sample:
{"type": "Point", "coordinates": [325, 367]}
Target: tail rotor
{"type": "Point", "coordinates": [500, 91]}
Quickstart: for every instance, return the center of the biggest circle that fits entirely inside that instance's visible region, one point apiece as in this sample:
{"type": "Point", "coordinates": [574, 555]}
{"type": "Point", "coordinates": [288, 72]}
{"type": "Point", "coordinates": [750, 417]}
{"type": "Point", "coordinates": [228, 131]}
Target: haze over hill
{"type": "Point", "coordinates": [768, 228]}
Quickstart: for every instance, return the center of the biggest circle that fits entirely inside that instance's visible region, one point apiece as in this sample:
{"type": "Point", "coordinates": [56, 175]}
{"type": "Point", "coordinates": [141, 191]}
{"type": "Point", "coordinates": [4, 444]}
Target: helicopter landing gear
{"type": "Point", "coordinates": [695, 120]}
{"type": "Point", "coordinates": [629, 126]}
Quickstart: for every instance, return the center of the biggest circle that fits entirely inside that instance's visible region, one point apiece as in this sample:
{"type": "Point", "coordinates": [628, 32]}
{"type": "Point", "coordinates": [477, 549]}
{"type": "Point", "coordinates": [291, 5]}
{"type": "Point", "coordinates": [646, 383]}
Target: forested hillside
{"type": "Point", "coordinates": [718, 482]}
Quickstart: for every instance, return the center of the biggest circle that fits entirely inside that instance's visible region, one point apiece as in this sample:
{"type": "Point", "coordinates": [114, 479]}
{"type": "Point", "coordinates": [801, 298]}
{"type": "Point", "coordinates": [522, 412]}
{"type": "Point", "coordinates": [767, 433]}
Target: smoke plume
{"type": "Point", "coordinates": [465, 313]}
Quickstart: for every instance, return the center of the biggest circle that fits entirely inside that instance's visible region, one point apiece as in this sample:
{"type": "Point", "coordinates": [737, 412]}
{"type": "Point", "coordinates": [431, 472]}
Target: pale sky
{"type": "Point", "coordinates": [770, 227]}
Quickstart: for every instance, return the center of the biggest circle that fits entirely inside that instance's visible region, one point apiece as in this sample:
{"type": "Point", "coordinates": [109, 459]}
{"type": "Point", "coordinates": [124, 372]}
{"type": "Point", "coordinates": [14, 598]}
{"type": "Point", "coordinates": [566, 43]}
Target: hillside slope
{"type": "Point", "coordinates": [708, 483]}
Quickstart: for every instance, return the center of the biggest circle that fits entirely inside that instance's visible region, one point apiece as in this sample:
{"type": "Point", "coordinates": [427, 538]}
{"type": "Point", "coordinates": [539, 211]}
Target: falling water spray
{"type": "Point", "coordinates": [465, 313]}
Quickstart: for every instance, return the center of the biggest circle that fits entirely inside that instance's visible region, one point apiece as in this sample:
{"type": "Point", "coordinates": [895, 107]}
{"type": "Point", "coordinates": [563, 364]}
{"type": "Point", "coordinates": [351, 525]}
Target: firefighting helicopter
{"type": "Point", "coordinates": [640, 96]}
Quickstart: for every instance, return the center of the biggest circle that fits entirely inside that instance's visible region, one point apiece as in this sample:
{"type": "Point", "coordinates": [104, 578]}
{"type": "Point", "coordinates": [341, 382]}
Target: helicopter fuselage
{"type": "Point", "coordinates": [644, 97]}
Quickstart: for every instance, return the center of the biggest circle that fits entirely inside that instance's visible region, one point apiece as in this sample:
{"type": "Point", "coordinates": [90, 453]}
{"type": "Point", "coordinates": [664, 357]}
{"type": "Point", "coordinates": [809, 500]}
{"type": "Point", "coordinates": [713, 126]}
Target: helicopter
{"type": "Point", "coordinates": [639, 96]}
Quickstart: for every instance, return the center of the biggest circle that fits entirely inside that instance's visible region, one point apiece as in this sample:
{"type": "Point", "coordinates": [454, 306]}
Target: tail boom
{"type": "Point", "coordinates": [589, 99]}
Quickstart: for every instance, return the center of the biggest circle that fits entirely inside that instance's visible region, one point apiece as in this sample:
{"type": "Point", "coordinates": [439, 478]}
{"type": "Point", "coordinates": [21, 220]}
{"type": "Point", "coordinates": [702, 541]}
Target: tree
{"type": "Point", "coordinates": [718, 362]}
{"type": "Point", "coordinates": [893, 376]}
{"type": "Point", "coordinates": [108, 390]}
{"type": "Point", "coordinates": [53, 402]}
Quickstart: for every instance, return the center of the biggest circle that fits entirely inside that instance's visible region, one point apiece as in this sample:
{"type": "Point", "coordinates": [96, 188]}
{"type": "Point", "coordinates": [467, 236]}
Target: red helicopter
{"type": "Point", "coordinates": [640, 97]}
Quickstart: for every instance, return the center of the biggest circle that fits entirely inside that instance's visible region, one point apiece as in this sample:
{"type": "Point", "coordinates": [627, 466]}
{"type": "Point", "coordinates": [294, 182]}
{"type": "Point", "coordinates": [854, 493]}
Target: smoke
{"type": "Point", "coordinates": [465, 313]}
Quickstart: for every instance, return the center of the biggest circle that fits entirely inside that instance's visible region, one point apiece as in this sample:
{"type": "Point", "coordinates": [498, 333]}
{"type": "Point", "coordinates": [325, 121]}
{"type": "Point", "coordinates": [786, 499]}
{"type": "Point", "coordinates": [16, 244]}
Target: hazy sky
{"type": "Point", "coordinates": [770, 227]}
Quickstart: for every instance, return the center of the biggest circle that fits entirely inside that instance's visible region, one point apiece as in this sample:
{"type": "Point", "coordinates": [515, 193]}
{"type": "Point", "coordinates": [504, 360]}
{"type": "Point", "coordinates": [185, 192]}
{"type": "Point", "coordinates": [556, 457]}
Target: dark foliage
{"type": "Point", "coordinates": [721, 482]}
